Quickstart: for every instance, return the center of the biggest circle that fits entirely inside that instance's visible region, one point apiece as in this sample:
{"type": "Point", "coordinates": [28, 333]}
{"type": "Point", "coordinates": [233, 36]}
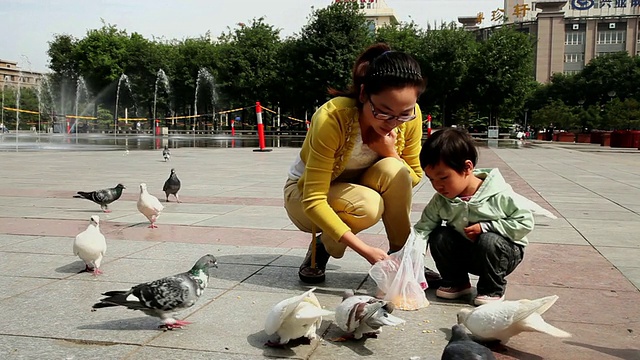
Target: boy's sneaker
{"type": "Point", "coordinates": [486, 299]}
{"type": "Point", "coordinates": [453, 292]}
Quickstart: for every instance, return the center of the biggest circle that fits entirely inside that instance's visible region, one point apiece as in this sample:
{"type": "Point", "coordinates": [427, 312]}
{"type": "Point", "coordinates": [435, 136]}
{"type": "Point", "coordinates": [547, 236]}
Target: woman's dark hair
{"type": "Point", "coordinates": [378, 69]}
{"type": "Point", "coordinates": [451, 146]}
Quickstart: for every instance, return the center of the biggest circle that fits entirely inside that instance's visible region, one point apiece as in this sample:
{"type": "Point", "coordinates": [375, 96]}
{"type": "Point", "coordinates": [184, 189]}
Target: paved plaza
{"type": "Point", "coordinates": [232, 208]}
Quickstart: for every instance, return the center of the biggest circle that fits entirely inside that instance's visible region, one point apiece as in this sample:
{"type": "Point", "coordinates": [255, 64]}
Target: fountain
{"type": "Point", "coordinates": [206, 75]}
{"type": "Point", "coordinates": [80, 86]}
{"type": "Point", "coordinates": [20, 76]}
{"type": "Point", "coordinates": [160, 76]}
{"type": "Point", "coordinates": [44, 83]}
{"type": "Point", "coordinates": [126, 81]}
{"type": "Point", "coordinates": [4, 83]}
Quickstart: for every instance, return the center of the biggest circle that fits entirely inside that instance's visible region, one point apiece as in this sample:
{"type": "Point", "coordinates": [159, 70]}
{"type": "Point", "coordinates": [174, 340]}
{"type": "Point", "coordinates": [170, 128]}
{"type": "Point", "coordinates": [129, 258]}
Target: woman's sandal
{"type": "Point", "coordinates": [315, 275]}
{"type": "Point", "coordinates": [433, 278]}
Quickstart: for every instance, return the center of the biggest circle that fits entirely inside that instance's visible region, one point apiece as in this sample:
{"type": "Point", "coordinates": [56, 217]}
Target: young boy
{"type": "Point", "coordinates": [485, 231]}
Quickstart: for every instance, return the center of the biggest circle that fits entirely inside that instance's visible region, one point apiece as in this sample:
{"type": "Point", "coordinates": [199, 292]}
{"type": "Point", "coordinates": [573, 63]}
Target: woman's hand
{"type": "Point", "coordinates": [384, 146]}
{"type": "Point", "coordinates": [374, 254]}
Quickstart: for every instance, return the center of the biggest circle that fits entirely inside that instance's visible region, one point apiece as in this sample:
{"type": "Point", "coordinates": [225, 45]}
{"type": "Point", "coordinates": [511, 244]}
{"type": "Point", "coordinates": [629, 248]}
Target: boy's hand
{"type": "Point", "coordinates": [473, 231]}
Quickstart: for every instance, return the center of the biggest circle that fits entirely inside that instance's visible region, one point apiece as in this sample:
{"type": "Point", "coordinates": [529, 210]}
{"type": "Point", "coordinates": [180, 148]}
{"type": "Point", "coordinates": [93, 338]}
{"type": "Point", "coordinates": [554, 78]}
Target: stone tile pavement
{"type": "Point", "coordinates": [233, 209]}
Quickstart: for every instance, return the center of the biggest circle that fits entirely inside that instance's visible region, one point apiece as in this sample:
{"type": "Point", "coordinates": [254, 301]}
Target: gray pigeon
{"type": "Point", "coordinates": [461, 347]}
{"type": "Point", "coordinates": [172, 185]}
{"type": "Point", "coordinates": [363, 315]}
{"type": "Point", "coordinates": [102, 197]}
{"type": "Point", "coordinates": [161, 298]}
{"type": "Point", "coordinates": [166, 153]}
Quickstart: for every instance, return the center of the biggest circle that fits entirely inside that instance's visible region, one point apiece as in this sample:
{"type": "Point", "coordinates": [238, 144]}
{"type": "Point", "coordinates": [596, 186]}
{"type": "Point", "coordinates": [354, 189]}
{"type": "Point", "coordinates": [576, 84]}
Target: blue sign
{"type": "Point", "coordinates": [588, 4]}
{"type": "Point", "coordinates": [582, 4]}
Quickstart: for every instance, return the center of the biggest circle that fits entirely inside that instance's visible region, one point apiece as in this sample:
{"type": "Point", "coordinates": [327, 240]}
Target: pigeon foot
{"type": "Point", "coordinates": [152, 226]}
{"type": "Point", "coordinates": [179, 324]}
{"type": "Point", "coordinates": [343, 338]}
{"type": "Point", "coordinates": [88, 269]}
{"type": "Point", "coordinates": [106, 210]}
{"type": "Point", "coordinates": [97, 272]}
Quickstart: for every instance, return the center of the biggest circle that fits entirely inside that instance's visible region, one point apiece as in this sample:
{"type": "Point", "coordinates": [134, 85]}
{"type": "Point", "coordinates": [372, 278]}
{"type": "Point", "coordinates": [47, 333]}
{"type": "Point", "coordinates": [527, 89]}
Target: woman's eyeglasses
{"type": "Point", "coordinates": [387, 117]}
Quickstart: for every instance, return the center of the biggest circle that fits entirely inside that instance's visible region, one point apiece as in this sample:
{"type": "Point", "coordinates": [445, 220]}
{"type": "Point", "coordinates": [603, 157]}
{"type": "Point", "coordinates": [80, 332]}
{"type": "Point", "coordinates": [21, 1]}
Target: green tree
{"type": "Point", "coordinates": [327, 48]}
{"type": "Point", "coordinates": [557, 114]}
{"type": "Point", "coordinates": [501, 74]}
{"type": "Point", "coordinates": [445, 56]}
{"type": "Point", "coordinates": [617, 74]}
{"type": "Point", "coordinates": [248, 63]}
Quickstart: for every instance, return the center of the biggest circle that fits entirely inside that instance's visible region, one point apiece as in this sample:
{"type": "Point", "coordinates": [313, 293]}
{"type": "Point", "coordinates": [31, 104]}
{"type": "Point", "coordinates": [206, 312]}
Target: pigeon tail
{"type": "Point", "coordinates": [83, 195]}
{"type": "Point", "coordinates": [537, 324]}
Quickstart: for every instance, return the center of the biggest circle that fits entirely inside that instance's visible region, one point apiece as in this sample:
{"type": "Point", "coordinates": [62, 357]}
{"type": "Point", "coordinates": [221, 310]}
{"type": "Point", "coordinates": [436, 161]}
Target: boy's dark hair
{"type": "Point", "coordinates": [451, 146]}
{"type": "Point", "coordinates": [378, 69]}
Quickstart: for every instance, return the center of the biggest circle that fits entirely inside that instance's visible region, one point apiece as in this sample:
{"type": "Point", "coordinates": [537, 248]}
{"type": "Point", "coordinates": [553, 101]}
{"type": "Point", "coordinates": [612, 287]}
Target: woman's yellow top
{"type": "Point", "coordinates": [327, 148]}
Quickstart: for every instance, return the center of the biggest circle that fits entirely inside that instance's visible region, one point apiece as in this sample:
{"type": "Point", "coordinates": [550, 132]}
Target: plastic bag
{"type": "Point", "coordinates": [401, 276]}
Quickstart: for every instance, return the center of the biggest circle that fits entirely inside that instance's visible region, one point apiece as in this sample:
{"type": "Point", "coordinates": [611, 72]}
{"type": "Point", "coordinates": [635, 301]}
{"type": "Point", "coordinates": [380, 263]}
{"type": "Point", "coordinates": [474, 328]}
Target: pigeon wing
{"type": "Point", "coordinates": [281, 311]}
{"type": "Point", "coordinates": [164, 294]}
{"type": "Point", "coordinates": [487, 320]}
{"type": "Point", "coordinates": [102, 196]}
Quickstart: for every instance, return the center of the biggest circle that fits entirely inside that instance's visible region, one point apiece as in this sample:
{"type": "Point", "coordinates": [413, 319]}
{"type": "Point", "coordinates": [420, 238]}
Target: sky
{"type": "Point", "coordinates": [28, 25]}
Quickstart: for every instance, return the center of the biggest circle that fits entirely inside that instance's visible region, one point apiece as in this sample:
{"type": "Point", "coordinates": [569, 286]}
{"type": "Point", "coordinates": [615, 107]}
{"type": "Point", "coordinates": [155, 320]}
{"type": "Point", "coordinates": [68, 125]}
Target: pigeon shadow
{"type": "Point", "coordinates": [76, 267]}
{"type": "Point", "coordinates": [357, 346]}
{"type": "Point", "coordinates": [619, 353]}
{"type": "Point", "coordinates": [283, 274]}
{"type": "Point", "coordinates": [260, 338]}
{"type": "Point", "coordinates": [137, 323]}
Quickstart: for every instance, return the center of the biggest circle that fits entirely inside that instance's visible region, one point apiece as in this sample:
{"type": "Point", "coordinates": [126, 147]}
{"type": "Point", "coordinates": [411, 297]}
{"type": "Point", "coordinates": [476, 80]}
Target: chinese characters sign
{"type": "Point", "coordinates": [591, 4]}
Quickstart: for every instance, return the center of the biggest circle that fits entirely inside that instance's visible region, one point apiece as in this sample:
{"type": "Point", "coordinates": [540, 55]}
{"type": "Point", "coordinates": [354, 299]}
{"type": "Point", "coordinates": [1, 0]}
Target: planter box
{"type": "Point", "coordinates": [565, 137]}
{"type": "Point", "coordinates": [540, 136]}
{"type": "Point", "coordinates": [606, 139]}
{"type": "Point", "coordinates": [583, 138]}
{"type": "Point", "coordinates": [596, 137]}
{"type": "Point", "coordinates": [625, 139]}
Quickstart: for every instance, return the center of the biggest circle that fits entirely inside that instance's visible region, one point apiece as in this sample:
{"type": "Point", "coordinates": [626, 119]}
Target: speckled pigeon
{"type": "Point", "coordinates": [363, 315]}
{"type": "Point", "coordinates": [166, 153]}
{"type": "Point", "coordinates": [102, 197]}
{"type": "Point", "coordinates": [163, 297]}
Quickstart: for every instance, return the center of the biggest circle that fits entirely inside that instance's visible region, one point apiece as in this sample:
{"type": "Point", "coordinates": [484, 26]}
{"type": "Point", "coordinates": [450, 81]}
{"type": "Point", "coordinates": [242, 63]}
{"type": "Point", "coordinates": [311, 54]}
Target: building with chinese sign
{"type": "Point", "coordinates": [377, 13]}
{"type": "Point", "coordinates": [569, 33]}
{"type": "Point", "coordinates": [11, 74]}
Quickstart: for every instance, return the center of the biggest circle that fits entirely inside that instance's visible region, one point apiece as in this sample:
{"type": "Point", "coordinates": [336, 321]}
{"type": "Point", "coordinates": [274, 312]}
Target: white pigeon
{"type": "Point", "coordinates": [363, 315]}
{"type": "Point", "coordinates": [90, 245]}
{"type": "Point", "coordinates": [295, 317]}
{"type": "Point", "coordinates": [502, 320]}
{"type": "Point", "coordinates": [149, 205]}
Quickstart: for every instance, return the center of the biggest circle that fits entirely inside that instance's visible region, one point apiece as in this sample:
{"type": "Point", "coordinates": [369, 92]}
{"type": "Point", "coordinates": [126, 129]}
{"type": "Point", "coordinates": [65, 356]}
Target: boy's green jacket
{"type": "Point", "coordinates": [494, 205]}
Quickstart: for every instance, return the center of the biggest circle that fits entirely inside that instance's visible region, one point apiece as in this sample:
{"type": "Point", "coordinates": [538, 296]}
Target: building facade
{"type": "Point", "coordinates": [571, 33]}
{"type": "Point", "coordinates": [11, 74]}
{"type": "Point", "coordinates": [377, 13]}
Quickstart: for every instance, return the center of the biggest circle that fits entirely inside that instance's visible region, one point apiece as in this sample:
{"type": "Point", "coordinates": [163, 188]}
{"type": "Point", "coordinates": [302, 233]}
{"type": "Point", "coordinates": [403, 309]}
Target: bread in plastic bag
{"type": "Point", "coordinates": [401, 276]}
